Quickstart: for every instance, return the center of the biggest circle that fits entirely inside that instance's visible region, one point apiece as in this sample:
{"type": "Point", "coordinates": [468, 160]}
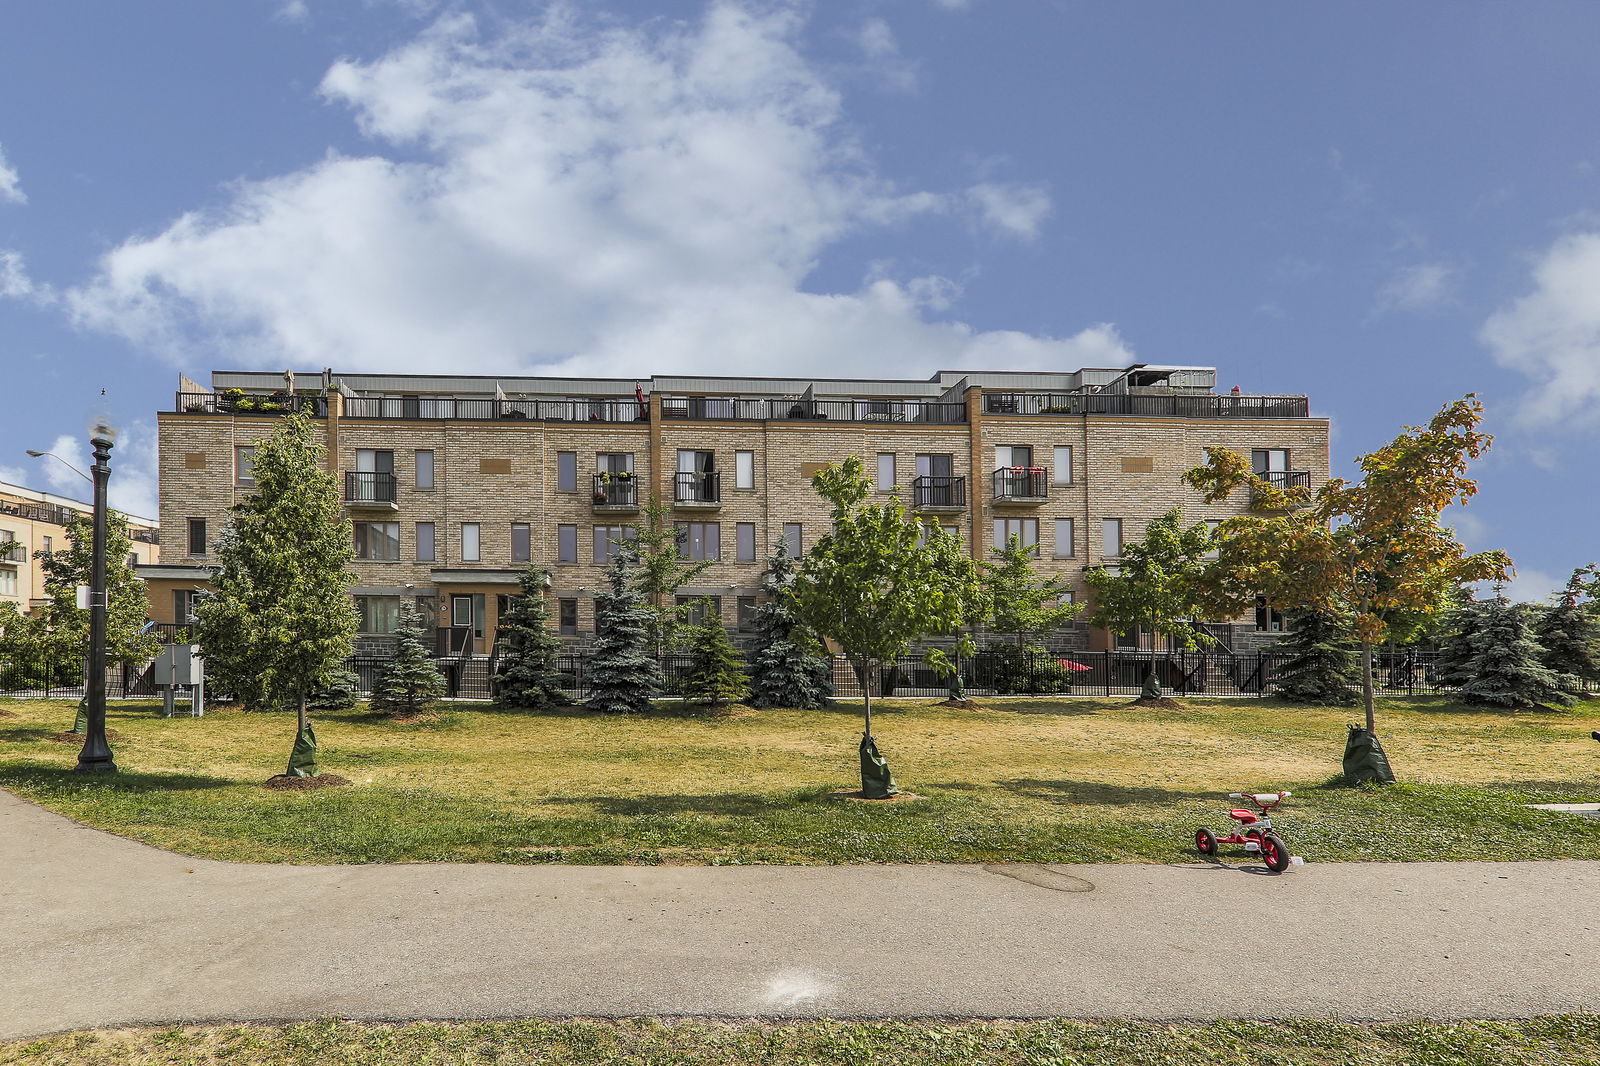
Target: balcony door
{"type": "Point", "coordinates": [940, 490]}
{"type": "Point", "coordinates": [375, 475]}
{"type": "Point", "coordinates": [1271, 465]}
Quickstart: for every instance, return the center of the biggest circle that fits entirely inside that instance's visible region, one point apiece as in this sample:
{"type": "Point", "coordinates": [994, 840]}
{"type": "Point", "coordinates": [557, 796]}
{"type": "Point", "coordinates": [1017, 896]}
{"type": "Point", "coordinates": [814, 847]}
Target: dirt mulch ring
{"type": "Point", "coordinates": [971, 705]}
{"type": "Point", "coordinates": [79, 738]}
{"type": "Point", "coordinates": [7, 714]}
{"type": "Point", "coordinates": [420, 718]}
{"type": "Point", "coordinates": [1162, 702]}
{"type": "Point", "coordinates": [854, 795]}
{"type": "Point", "coordinates": [289, 783]}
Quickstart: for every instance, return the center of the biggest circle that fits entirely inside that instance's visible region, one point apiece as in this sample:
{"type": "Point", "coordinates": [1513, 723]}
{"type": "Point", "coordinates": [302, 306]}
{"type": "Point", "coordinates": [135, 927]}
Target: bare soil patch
{"type": "Point", "coordinates": [78, 738]}
{"type": "Point", "coordinates": [1163, 702]}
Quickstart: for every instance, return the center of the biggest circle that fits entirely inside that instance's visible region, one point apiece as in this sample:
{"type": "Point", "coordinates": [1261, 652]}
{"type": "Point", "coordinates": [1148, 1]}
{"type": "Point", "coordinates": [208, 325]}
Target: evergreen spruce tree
{"type": "Point", "coordinates": [342, 692]}
{"type": "Point", "coordinates": [1505, 669]}
{"type": "Point", "coordinates": [1568, 632]}
{"type": "Point", "coordinates": [785, 669]}
{"type": "Point", "coordinates": [1453, 666]}
{"type": "Point", "coordinates": [411, 682]}
{"type": "Point", "coordinates": [716, 676]}
{"type": "Point", "coordinates": [623, 673]}
{"type": "Point", "coordinates": [528, 674]}
{"type": "Point", "coordinates": [1322, 664]}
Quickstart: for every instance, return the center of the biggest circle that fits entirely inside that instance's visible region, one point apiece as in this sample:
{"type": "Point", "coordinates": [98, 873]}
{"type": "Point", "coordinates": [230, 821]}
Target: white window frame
{"type": "Point", "coordinates": [1070, 549]}
{"type": "Point", "coordinates": [1061, 468]}
{"type": "Point", "coordinates": [744, 470]}
{"type": "Point", "coordinates": [471, 542]}
{"type": "Point", "coordinates": [886, 471]}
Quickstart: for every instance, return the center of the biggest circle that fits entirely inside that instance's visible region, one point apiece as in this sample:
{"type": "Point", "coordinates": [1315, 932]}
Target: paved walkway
{"type": "Point", "coordinates": [98, 931]}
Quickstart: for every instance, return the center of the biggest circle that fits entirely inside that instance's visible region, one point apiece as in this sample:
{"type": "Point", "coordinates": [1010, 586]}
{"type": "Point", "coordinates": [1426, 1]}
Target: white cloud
{"type": "Point", "coordinates": [1529, 586]}
{"type": "Point", "coordinates": [599, 201]}
{"type": "Point", "coordinates": [132, 486]}
{"type": "Point", "coordinates": [877, 43]}
{"type": "Point", "coordinates": [954, 5]}
{"type": "Point", "coordinates": [1419, 287]}
{"type": "Point", "coordinates": [16, 284]}
{"type": "Point", "coordinates": [293, 11]}
{"type": "Point", "coordinates": [1015, 210]}
{"type": "Point", "coordinates": [1552, 335]}
{"type": "Point", "coordinates": [10, 183]}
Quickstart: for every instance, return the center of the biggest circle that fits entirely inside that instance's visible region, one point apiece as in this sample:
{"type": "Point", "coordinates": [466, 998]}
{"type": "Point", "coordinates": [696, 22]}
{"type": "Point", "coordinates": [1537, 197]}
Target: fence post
{"type": "Point", "coordinates": [1107, 654]}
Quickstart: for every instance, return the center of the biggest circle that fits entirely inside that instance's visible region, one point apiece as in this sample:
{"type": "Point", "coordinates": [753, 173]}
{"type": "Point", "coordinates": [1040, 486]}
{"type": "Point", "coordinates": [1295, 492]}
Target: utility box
{"type": "Point", "coordinates": [178, 664]}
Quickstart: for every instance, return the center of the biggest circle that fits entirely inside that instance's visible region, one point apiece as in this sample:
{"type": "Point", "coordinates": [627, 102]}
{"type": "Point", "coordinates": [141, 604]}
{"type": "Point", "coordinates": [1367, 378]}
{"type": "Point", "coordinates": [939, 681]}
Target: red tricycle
{"type": "Point", "coordinates": [1255, 831]}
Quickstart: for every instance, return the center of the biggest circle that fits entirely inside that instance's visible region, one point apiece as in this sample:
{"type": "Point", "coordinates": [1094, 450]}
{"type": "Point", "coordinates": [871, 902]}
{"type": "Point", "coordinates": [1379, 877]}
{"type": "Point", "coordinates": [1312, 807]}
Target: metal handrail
{"type": "Point", "coordinates": [369, 486]}
{"type": "Point", "coordinates": [1021, 482]}
{"type": "Point", "coordinates": [938, 490]}
{"type": "Point", "coordinates": [616, 490]}
{"type": "Point", "coordinates": [689, 487]}
{"type": "Point", "coordinates": [1163, 405]}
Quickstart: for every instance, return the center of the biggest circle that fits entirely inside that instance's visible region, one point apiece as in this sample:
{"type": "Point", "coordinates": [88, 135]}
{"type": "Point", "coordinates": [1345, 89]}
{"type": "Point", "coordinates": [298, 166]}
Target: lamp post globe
{"type": "Point", "coordinates": [95, 758]}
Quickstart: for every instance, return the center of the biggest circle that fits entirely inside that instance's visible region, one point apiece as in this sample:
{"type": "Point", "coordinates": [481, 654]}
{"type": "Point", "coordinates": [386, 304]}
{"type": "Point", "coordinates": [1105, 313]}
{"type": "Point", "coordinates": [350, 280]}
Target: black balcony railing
{"type": "Point", "coordinates": [13, 551]}
{"type": "Point", "coordinates": [366, 486]}
{"type": "Point", "coordinates": [932, 490]}
{"type": "Point", "coordinates": [616, 490]}
{"type": "Point", "coordinates": [1021, 483]}
{"type": "Point", "coordinates": [760, 410]}
{"type": "Point", "coordinates": [39, 512]}
{"type": "Point", "coordinates": [697, 487]}
{"type": "Point", "coordinates": [238, 402]}
{"type": "Point", "coordinates": [148, 536]}
{"type": "Point", "coordinates": [1163, 405]}
{"type": "Point", "coordinates": [1283, 480]}
{"type": "Point", "coordinates": [483, 409]}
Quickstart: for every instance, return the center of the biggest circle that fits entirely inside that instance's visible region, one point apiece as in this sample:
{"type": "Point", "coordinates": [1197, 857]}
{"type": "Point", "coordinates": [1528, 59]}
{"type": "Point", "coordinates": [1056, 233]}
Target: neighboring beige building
{"type": "Point", "coordinates": [454, 483]}
{"type": "Point", "coordinates": [33, 523]}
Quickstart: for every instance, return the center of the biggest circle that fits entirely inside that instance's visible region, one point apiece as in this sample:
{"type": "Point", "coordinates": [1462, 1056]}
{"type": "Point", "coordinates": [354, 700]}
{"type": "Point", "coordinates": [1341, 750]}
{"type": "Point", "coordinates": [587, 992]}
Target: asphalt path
{"type": "Point", "coordinates": [99, 931]}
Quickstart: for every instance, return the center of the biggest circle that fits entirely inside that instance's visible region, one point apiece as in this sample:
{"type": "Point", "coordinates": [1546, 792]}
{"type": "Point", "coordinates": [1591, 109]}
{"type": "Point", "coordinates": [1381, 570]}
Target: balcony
{"type": "Point", "coordinates": [369, 491]}
{"type": "Point", "coordinates": [13, 552]}
{"type": "Point", "coordinates": [1146, 405]}
{"type": "Point", "coordinates": [922, 412]}
{"type": "Point", "coordinates": [1298, 481]}
{"type": "Point", "coordinates": [239, 402]}
{"type": "Point", "coordinates": [616, 493]}
{"type": "Point", "coordinates": [938, 493]}
{"type": "Point", "coordinates": [693, 491]}
{"type": "Point", "coordinates": [1021, 485]}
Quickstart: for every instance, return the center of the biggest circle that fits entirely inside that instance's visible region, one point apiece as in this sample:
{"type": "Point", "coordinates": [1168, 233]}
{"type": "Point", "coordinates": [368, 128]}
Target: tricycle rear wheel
{"type": "Point", "coordinates": [1205, 842]}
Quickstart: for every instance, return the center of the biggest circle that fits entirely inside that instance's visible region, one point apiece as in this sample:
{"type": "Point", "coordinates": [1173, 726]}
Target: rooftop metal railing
{"type": "Point", "coordinates": [1162, 405]}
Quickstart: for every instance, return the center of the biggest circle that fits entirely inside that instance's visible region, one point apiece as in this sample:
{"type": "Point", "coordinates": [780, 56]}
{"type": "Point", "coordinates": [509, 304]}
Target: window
{"type": "Point", "coordinates": [791, 536]}
{"type": "Point", "coordinates": [606, 539]}
{"type": "Point", "coordinates": [885, 471]}
{"type": "Point", "coordinates": [424, 468]}
{"type": "Point", "coordinates": [1024, 529]}
{"type": "Point", "coordinates": [425, 549]}
{"type": "Point", "coordinates": [744, 470]}
{"type": "Point", "coordinates": [566, 544]}
{"type": "Point", "coordinates": [1267, 619]}
{"type": "Point", "coordinates": [1129, 639]}
{"type": "Point", "coordinates": [1212, 524]}
{"type": "Point", "coordinates": [1062, 474]}
{"type": "Point", "coordinates": [701, 608]}
{"type": "Point", "coordinates": [184, 602]}
{"type": "Point", "coordinates": [745, 613]}
{"type": "Point", "coordinates": [520, 547]}
{"type": "Point", "coordinates": [244, 472]}
{"type": "Point", "coordinates": [1013, 456]}
{"type": "Point", "coordinates": [745, 542]}
{"type": "Point", "coordinates": [48, 541]}
{"type": "Point", "coordinates": [133, 560]}
{"type": "Point", "coordinates": [469, 610]}
{"type": "Point", "coordinates": [567, 617]}
{"type": "Point", "coordinates": [697, 480]}
{"type": "Point", "coordinates": [378, 614]}
{"type": "Point", "coordinates": [197, 537]}
{"type": "Point", "coordinates": [378, 540]}
{"type": "Point", "coordinates": [471, 549]}
{"type": "Point", "coordinates": [1269, 460]}
{"type": "Point", "coordinates": [1111, 538]}
{"type": "Point", "coordinates": [566, 471]}
{"type": "Point", "coordinates": [1066, 547]}
{"type": "Point", "coordinates": [700, 540]}
{"type": "Point", "coordinates": [374, 461]}
{"type": "Point", "coordinates": [614, 462]}
{"type": "Point", "coordinates": [8, 582]}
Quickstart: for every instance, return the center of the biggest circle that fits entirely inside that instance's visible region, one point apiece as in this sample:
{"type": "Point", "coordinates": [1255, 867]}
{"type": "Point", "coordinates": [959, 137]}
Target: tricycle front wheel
{"type": "Point", "coordinates": [1274, 853]}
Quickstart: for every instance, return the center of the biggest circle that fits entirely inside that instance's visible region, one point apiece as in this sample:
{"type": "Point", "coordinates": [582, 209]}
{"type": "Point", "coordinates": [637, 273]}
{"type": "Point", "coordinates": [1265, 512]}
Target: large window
{"type": "Point", "coordinates": [745, 542]}
{"type": "Point", "coordinates": [197, 537]}
{"type": "Point", "coordinates": [378, 614]}
{"type": "Point", "coordinates": [700, 540]}
{"type": "Point", "coordinates": [1025, 529]}
{"type": "Point", "coordinates": [378, 540]}
{"type": "Point", "coordinates": [606, 540]}
{"type": "Point", "coordinates": [566, 544]}
{"type": "Point", "coordinates": [1065, 545]}
{"type": "Point", "coordinates": [471, 547]}
{"type": "Point", "coordinates": [1013, 456]}
{"type": "Point", "coordinates": [8, 581]}
{"type": "Point", "coordinates": [184, 602]}
{"type": "Point", "coordinates": [424, 468]}
{"type": "Point", "coordinates": [567, 617]}
{"type": "Point", "coordinates": [425, 545]}
{"type": "Point", "coordinates": [521, 548]}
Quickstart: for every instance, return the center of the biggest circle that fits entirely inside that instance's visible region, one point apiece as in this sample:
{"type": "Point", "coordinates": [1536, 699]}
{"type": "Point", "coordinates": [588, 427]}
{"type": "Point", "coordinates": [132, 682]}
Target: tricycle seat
{"type": "Point", "coordinates": [1244, 816]}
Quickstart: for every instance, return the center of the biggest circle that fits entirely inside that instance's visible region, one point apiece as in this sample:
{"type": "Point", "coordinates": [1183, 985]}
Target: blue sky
{"type": "Point", "coordinates": [1382, 205]}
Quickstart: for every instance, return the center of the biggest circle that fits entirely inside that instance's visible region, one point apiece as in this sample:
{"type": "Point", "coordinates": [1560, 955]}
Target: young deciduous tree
{"type": "Point", "coordinates": [1369, 548]}
{"type": "Point", "coordinates": [1505, 670]}
{"type": "Point", "coordinates": [786, 669]}
{"type": "Point", "coordinates": [1321, 664]}
{"type": "Point", "coordinates": [1021, 603]}
{"type": "Point", "coordinates": [716, 676]}
{"type": "Point", "coordinates": [411, 682]}
{"type": "Point", "coordinates": [876, 583]}
{"type": "Point", "coordinates": [662, 571]}
{"type": "Point", "coordinates": [64, 627]}
{"type": "Point", "coordinates": [1159, 582]}
{"type": "Point", "coordinates": [529, 676]}
{"type": "Point", "coordinates": [624, 675]}
{"type": "Point", "coordinates": [280, 601]}
{"type": "Point", "coordinates": [1568, 632]}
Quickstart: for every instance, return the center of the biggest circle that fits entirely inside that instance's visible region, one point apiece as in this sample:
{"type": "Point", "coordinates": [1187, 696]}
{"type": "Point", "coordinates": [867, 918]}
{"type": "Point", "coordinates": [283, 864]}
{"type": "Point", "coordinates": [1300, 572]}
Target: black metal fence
{"type": "Point", "coordinates": [998, 670]}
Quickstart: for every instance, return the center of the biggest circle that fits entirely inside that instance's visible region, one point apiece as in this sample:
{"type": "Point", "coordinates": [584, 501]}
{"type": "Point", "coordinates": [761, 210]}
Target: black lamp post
{"type": "Point", "coordinates": [95, 758]}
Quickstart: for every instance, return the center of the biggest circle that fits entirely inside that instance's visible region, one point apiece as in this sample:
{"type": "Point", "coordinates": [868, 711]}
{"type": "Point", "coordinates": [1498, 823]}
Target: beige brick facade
{"type": "Point", "coordinates": [33, 523]}
{"type": "Point", "coordinates": [497, 473]}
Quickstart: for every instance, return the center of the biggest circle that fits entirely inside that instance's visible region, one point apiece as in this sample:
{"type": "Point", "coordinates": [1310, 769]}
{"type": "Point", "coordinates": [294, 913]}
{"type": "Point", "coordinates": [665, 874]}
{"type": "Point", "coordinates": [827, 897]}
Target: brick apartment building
{"type": "Point", "coordinates": [455, 483]}
{"type": "Point", "coordinates": [33, 523]}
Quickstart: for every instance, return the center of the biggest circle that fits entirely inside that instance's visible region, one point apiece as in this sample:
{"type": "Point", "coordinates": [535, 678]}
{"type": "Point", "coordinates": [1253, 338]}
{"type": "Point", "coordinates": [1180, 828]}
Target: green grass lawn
{"type": "Point", "coordinates": [1027, 780]}
{"type": "Point", "coordinates": [1558, 1041]}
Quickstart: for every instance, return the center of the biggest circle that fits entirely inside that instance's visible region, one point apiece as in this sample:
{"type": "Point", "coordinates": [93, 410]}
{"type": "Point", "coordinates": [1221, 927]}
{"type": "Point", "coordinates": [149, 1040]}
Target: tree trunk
{"type": "Point", "coordinates": [1366, 684]}
{"type": "Point", "coordinates": [864, 674]}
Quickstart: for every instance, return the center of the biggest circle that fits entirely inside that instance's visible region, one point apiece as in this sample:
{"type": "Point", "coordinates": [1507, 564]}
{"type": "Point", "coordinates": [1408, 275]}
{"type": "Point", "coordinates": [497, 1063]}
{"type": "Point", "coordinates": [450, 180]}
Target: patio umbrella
{"type": "Point", "coordinates": [1068, 664]}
